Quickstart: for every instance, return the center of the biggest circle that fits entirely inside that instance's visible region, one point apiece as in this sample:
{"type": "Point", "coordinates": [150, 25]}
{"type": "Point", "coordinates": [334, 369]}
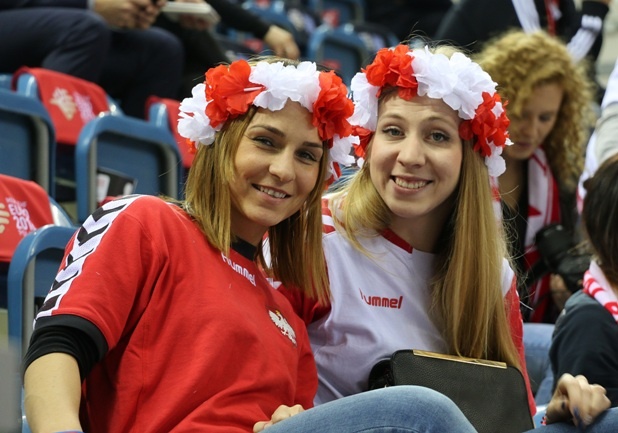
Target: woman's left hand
{"type": "Point", "coordinates": [576, 399]}
{"type": "Point", "coordinates": [281, 413]}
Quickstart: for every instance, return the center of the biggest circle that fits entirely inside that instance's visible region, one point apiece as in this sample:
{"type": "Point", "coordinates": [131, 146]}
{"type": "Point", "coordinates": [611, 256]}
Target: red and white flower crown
{"type": "Point", "coordinates": [457, 81]}
{"type": "Point", "coordinates": [229, 92]}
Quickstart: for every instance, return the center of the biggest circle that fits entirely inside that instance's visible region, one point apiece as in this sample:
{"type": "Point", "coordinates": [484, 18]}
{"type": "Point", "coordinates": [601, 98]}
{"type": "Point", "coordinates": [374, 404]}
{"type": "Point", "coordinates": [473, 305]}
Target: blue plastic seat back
{"type": "Point", "coordinates": [27, 140]}
{"type": "Point", "coordinates": [164, 113]}
{"type": "Point", "coordinates": [339, 12]}
{"type": "Point", "coordinates": [131, 147]}
{"type": "Point", "coordinates": [33, 268]}
{"type": "Point", "coordinates": [5, 81]}
{"type": "Point", "coordinates": [376, 36]}
{"type": "Point", "coordinates": [27, 85]}
{"type": "Point", "coordinates": [339, 48]}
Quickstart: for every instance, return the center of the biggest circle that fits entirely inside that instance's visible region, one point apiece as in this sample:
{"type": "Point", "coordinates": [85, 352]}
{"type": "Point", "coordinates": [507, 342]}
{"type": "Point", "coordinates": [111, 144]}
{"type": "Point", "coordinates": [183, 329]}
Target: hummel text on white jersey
{"type": "Point", "coordinates": [377, 301]}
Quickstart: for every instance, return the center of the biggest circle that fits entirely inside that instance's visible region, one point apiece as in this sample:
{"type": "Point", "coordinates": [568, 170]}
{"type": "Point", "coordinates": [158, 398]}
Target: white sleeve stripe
{"type": "Point", "coordinates": [94, 231]}
{"type": "Point", "coordinates": [582, 42]}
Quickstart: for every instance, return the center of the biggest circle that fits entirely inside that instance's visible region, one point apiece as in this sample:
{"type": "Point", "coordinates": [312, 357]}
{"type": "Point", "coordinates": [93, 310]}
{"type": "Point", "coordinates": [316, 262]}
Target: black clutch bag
{"type": "Point", "coordinates": [491, 394]}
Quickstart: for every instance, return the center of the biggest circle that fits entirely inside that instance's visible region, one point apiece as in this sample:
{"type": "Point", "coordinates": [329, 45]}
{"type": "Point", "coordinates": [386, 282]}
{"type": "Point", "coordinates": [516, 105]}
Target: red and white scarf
{"type": "Point", "coordinates": [543, 209]}
{"type": "Point", "coordinates": [596, 286]}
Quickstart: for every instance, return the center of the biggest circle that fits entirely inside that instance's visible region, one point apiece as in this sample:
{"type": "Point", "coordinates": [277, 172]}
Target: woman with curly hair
{"type": "Point", "coordinates": [550, 107]}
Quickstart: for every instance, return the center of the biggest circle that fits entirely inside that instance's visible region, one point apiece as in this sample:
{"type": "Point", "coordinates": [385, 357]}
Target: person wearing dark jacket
{"type": "Point", "coordinates": [205, 49]}
{"type": "Point", "coordinates": [109, 42]}
{"type": "Point", "coordinates": [585, 339]}
{"type": "Point", "coordinates": [403, 17]}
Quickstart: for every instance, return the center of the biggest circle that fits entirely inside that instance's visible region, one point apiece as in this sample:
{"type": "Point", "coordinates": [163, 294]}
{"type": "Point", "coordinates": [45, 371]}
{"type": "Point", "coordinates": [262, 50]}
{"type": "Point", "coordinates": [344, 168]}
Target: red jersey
{"type": "Point", "coordinates": [197, 341]}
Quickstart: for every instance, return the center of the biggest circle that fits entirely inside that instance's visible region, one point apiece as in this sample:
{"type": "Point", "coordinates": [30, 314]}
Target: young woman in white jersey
{"type": "Point", "coordinates": [160, 319]}
{"type": "Point", "coordinates": [415, 255]}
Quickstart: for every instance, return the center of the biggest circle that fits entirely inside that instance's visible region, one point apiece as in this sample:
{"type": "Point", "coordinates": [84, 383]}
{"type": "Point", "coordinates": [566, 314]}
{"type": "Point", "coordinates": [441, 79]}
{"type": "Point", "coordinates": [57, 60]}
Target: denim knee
{"type": "Point", "coordinates": [397, 409]}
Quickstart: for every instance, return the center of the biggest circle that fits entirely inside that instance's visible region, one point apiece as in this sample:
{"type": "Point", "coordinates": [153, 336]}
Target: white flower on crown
{"type": "Point", "coordinates": [275, 84]}
{"type": "Point", "coordinates": [456, 80]}
{"type": "Point", "coordinates": [282, 83]}
{"type": "Point", "coordinates": [365, 102]}
{"type": "Point", "coordinates": [193, 122]}
{"type": "Point", "coordinates": [340, 152]}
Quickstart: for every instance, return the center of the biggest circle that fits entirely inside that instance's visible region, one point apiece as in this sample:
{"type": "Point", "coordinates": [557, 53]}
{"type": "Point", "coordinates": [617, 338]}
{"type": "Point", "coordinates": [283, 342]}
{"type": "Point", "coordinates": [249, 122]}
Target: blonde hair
{"type": "Point", "coordinates": [466, 288]}
{"type": "Point", "coordinates": [519, 62]}
{"type": "Point", "coordinates": [296, 254]}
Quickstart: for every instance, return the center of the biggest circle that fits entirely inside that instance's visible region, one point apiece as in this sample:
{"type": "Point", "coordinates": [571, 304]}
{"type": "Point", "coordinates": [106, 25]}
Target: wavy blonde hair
{"type": "Point", "coordinates": [519, 62]}
{"type": "Point", "coordinates": [467, 285]}
{"type": "Point", "coordinates": [296, 254]}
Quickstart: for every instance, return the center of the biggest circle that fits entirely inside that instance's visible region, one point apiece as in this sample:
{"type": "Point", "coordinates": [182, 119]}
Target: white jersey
{"type": "Point", "coordinates": [379, 304]}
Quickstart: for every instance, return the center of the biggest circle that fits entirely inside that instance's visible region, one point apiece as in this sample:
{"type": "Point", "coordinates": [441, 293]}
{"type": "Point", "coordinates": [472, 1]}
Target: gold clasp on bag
{"type": "Point", "coordinates": [463, 359]}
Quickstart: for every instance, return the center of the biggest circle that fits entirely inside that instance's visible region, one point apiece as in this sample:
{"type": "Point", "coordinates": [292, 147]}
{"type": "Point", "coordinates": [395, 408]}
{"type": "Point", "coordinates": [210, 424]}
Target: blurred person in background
{"type": "Point", "coordinates": [550, 106]}
{"type": "Point", "coordinates": [467, 23]}
{"type": "Point", "coordinates": [108, 42]}
{"type": "Point", "coordinates": [202, 46]}
{"type": "Point", "coordinates": [586, 337]}
{"type": "Point", "coordinates": [402, 17]}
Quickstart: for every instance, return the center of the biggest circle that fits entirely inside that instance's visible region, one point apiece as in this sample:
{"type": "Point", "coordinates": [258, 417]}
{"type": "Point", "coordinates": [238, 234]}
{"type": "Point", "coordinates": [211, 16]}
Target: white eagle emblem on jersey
{"type": "Point", "coordinates": [283, 325]}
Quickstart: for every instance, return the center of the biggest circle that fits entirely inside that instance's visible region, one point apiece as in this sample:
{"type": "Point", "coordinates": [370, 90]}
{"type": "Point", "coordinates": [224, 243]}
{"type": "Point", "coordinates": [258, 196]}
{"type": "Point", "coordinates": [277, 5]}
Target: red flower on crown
{"type": "Point", "coordinates": [227, 92]}
{"type": "Point", "coordinates": [364, 135]}
{"type": "Point", "coordinates": [393, 68]}
{"type": "Point", "coordinates": [485, 126]}
{"type": "Point", "coordinates": [332, 108]}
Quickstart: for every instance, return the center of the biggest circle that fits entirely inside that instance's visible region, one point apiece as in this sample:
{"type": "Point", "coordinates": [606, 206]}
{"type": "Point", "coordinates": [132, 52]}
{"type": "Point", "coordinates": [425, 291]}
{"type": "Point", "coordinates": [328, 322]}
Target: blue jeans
{"type": "Point", "coordinates": [406, 409]}
{"type": "Point", "coordinates": [537, 341]}
{"type": "Point", "coordinates": [397, 409]}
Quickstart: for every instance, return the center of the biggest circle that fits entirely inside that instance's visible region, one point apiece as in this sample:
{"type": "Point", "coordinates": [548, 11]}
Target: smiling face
{"type": "Point", "coordinates": [538, 116]}
{"type": "Point", "coordinates": [277, 165]}
{"type": "Point", "coordinates": [415, 163]}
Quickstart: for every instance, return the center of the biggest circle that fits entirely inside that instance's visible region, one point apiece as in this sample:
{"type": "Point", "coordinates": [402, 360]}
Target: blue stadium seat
{"type": "Point", "coordinates": [338, 12]}
{"type": "Point", "coordinates": [376, 36]}
{"type": "Point", "coordinates": [131, 147]}
{"type": "Point", "coordinates": [32, 271]}
{"type": "Point", "coordinates": [27, 84]}
{"type": "Point", "coordinates": [31, 275]}
{"type": "Point", "coordinates": [24, 207]}
{"type": "Point", "coordinates": [339, 48]}
{"type": "Point", "coordinates": [5, 81]}
{"type": "Point", "coordinates": [164, 113]}
{"type": "Point", "coordinates": [27, 141]}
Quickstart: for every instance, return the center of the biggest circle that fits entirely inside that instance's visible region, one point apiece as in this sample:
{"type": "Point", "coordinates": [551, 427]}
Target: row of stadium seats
{"type": "Point", "coordinates": [344, 43]}
{"type": "Point", "coordinates": [63, 138]}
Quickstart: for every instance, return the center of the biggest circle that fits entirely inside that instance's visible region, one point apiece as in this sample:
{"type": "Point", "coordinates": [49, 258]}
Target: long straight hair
{"type": "Point", "coordinates": [466, 290]}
